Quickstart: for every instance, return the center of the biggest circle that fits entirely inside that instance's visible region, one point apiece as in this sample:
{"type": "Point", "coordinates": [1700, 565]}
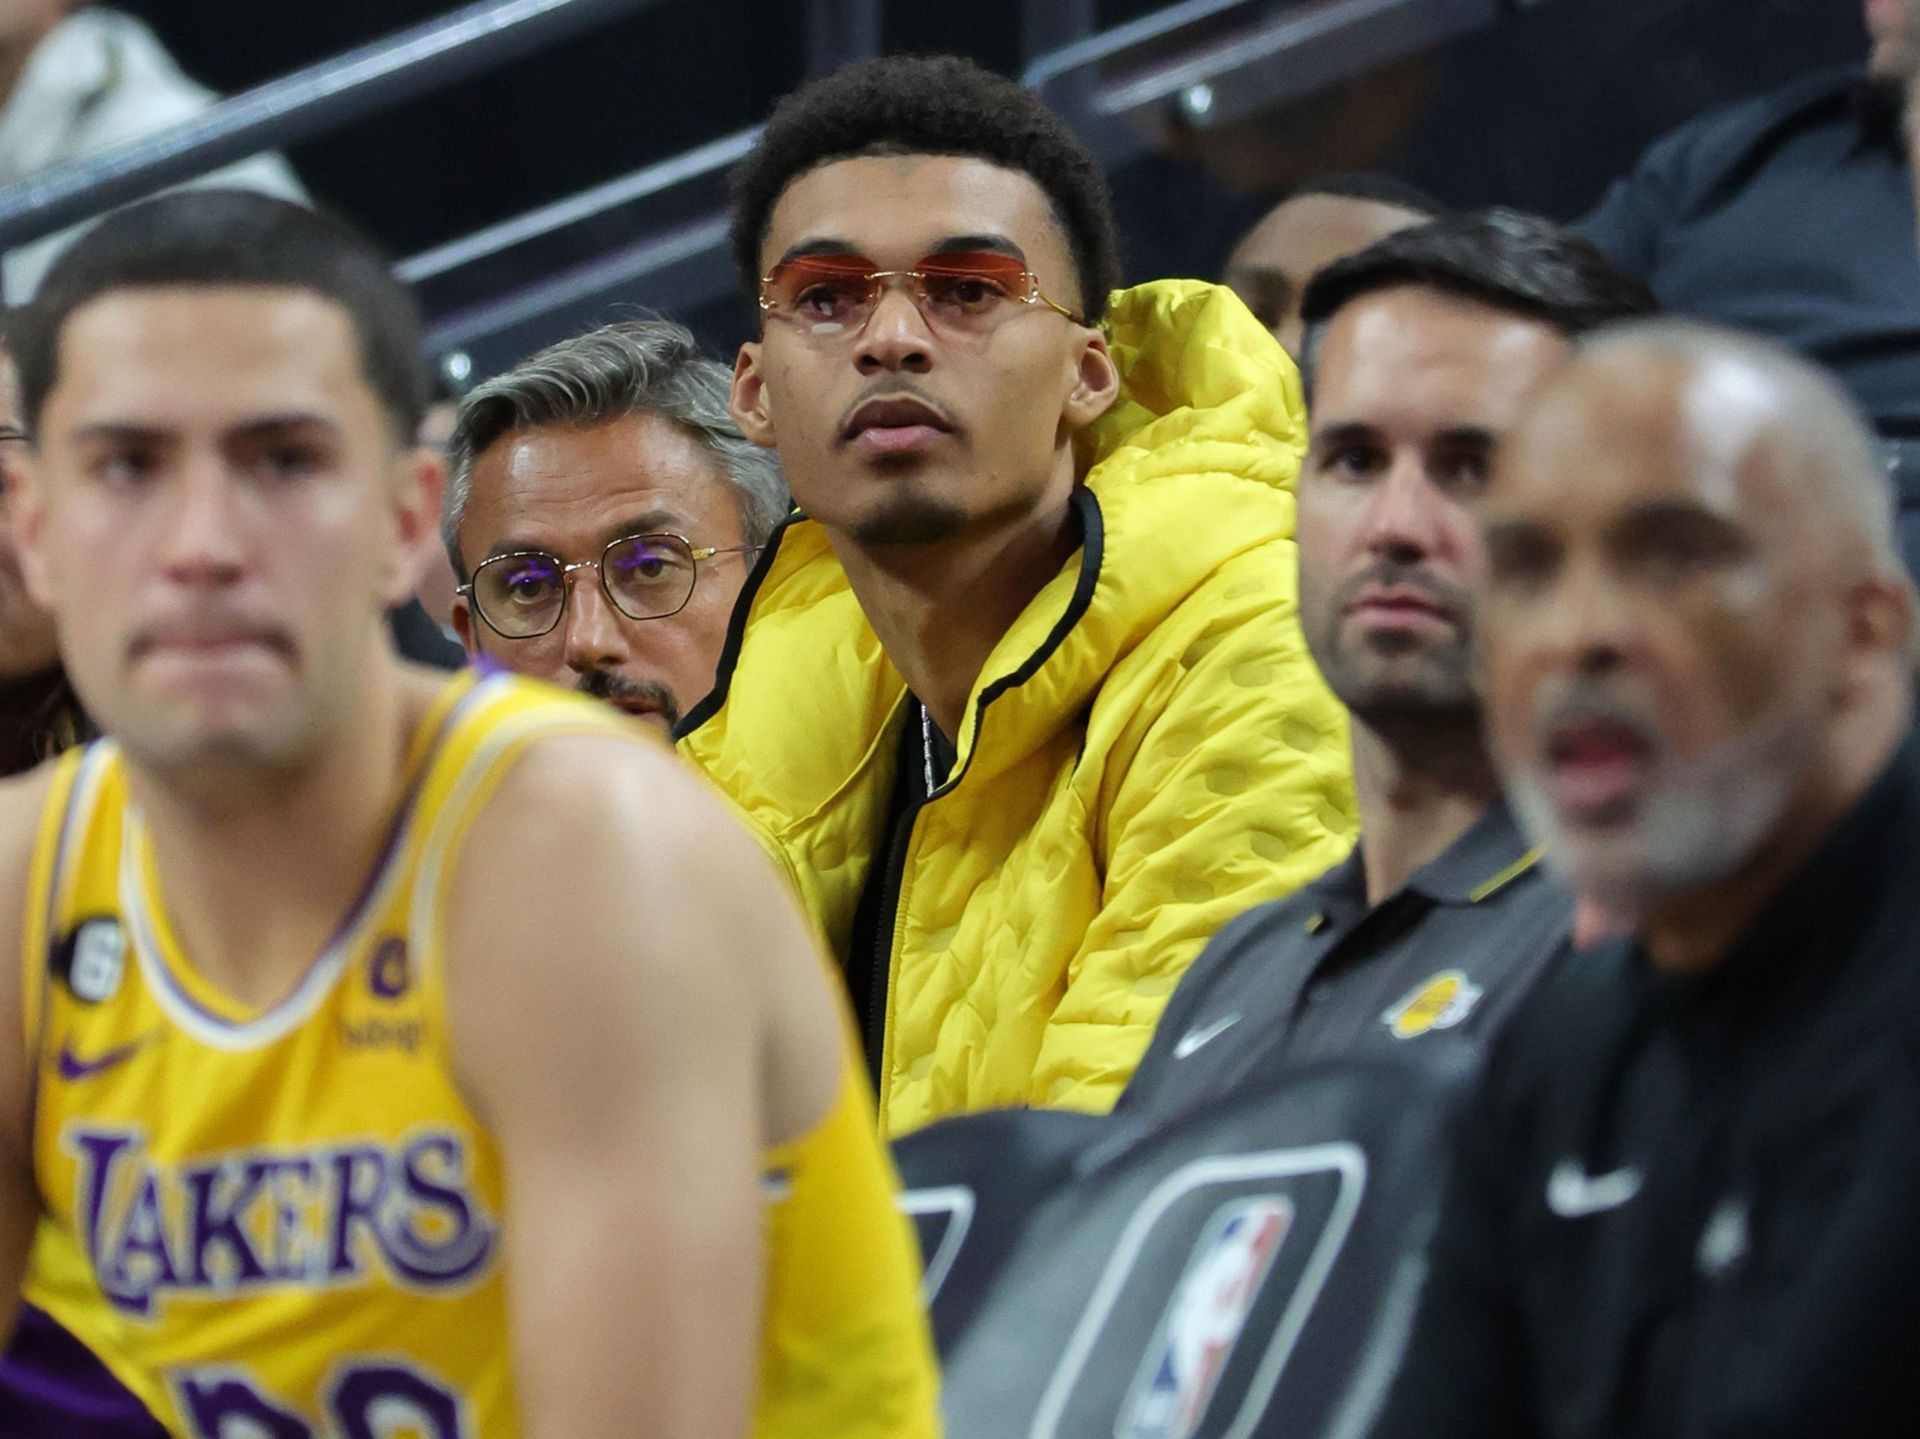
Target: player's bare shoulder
{"type": "Point", "coordinates": [605, 841]}
{"type": "Point", "coordinates": [624, 793]}
{"type": "Point", "coordinates": [23, 806]}
{"type": "Point", "coordinates": [23, 809]}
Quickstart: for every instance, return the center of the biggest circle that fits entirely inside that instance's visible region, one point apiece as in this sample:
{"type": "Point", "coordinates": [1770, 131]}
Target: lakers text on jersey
{"type": "Point", "coordinates": [282, 1222]}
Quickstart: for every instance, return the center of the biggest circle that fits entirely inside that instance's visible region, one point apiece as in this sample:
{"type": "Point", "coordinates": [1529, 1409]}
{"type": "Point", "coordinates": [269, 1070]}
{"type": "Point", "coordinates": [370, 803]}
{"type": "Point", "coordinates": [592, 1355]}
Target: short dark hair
{"type": "Point", "coordinates": [930, 105]}
{"type": "Point", "coordinates": [212, 238]}
{"type": "Point", "coordinates": [1500, 258]}
{"type": "Point", "coordinates": [647, 366]}
{"type": "Point", "coordinates": [1365, 185]}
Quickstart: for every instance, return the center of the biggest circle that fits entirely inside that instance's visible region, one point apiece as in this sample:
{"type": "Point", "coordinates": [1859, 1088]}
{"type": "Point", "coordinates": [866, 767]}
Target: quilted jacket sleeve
{"type": "Point", "coordinates": [1226, 783]}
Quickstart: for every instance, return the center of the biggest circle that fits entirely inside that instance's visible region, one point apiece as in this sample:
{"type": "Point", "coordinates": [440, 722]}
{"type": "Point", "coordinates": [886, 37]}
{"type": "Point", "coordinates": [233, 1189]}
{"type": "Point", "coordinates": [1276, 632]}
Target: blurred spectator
{"type": "Point", "coordinates": [1023, 695]}
{"type": "Point", "coordinates": [603, 511]}
{"type": "Point", "coordinates": [50, 1383]}
{"type": "Point", "coordinates": [77, 81]}
{"type": "Point", "coordinates": [421, 627]}
{"type": "Point", "coordinates": [39, 715]}
{"type": "Point", "coordinates": [1317, 224]}
{"type": "Point", "coordinates": [438, 583]}
{"type": "Point", "coordinates": [1683, 1203]}
{"type": "Point", "coordinates": [1424, 350]}
{"type": "Point", "coordinates": [1793, 216]}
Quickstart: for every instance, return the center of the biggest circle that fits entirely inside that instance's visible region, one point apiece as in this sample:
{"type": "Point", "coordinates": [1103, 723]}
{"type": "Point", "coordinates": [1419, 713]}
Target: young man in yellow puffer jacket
{"type": "Point", "coordinates": [1021, 700]}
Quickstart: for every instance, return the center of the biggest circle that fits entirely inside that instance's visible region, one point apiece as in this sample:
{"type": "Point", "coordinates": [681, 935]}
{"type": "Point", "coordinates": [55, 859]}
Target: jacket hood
{"type": "Point", "coordinates": [1193, 465]}
{"type": "Point", "coordinates": [1203, 385]}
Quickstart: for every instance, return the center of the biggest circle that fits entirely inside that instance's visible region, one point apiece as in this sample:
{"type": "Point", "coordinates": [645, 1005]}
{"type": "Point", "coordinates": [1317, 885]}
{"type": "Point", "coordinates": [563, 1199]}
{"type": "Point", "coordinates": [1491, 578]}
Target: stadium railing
{"type": "Point", "coordinates": [656, 237]}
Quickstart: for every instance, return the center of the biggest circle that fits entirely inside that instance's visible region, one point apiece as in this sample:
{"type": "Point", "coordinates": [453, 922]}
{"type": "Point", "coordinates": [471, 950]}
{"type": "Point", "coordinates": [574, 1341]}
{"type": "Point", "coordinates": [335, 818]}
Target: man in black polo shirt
{"type": "Point", "coordinates": [1683, 1200]}
{"type": "Point", "coordinates": [1792, 215]}
{"type": "Point", "coordinates": [1422, 350]}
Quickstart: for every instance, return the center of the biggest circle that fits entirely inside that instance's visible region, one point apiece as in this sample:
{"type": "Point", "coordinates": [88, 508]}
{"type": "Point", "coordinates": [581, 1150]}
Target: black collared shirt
{"type": "Point", "coordinates": [1791, 215]}
{"type": "Point", "coordinates": [1686, 1205]}
{"type": "Point", "coordinates": [1322, 974]}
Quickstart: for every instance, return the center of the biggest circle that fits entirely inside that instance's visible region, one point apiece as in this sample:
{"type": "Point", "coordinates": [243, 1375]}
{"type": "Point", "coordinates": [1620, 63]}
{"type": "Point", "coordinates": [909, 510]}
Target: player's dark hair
{"type": "Point", "coordinates": [1500, 258]}
{"type": "Point", "coordinates": [929, 105]}
{"type": "Point", "coordinates": [214, 238]}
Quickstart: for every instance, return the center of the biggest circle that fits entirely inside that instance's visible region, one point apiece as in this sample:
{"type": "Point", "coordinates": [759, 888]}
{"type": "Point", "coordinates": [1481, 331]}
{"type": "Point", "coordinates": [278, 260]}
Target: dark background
{"type": "Point", "coordinates": [1538, 112]}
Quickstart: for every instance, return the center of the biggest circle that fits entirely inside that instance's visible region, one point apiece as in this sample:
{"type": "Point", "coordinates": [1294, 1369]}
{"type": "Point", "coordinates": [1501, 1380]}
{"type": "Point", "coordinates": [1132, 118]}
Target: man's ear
{"type": "Point", "coordinates": [419, 486]}
{"type": "Point", "coordinates": [1883, 615]}
{"type": "Point", "coordinates": [1096, 383]}
{"type": "Point", "coordinates": [26, 505]}
{"type": "Point", "coordinates": [1880, 626]}
{"type": "Point", "coordinates": [748, 399]}
{"type": "Point", "coordinates": [463, 626]}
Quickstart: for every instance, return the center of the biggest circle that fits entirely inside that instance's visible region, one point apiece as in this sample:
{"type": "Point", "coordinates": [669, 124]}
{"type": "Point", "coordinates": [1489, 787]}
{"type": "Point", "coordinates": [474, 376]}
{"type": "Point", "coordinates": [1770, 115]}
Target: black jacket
{"type": "Point", "coordinates": [1686, 1205]}
{"type": "Point", "coordinates": [1790, 215]}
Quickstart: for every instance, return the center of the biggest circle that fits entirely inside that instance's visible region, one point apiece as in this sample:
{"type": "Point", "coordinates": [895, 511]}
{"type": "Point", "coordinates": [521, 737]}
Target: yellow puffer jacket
{"type": "Point", "coordinates": [1148, 752]}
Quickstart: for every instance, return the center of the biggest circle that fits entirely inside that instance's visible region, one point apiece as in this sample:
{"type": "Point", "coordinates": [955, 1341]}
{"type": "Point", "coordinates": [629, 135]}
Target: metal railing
{"type": "Point", "coordinates": [1194, 65]}
{"type": "Point", "coordinates": [308, 102]}
{"type": "Point", "coordinates": [1198, 65]}
{"type": "Point", "coordinates": [1148, 88]}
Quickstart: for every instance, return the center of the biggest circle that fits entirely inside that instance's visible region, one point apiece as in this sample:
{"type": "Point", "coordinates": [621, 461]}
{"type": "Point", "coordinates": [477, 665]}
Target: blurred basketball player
{"type": "Point", "coordinates": [392, 1053]}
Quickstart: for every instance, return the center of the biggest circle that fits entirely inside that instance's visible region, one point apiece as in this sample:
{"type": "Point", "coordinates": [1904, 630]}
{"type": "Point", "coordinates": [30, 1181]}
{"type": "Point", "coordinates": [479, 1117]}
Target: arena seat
{"type": "Point", "coordinates": [1244, 1270]}
{"type": "Point", "coordinates": [970, 1185]}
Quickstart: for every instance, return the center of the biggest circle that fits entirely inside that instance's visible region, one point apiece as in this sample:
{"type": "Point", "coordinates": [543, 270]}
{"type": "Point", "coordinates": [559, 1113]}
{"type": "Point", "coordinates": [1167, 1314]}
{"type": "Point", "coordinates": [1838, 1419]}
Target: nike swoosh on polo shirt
{"type": "Point", "coordinates": [1196, 1039]}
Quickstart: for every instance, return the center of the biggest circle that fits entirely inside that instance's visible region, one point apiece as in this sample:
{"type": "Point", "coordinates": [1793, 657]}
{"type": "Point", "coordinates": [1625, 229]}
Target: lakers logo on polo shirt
{"type": "Point", "coordinates": [1437, 1003]}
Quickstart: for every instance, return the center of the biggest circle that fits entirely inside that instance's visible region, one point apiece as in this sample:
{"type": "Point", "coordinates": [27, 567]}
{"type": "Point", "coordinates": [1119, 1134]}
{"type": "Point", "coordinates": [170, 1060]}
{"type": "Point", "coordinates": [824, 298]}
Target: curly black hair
{"type": "Point", "coordinates": [929, 105]}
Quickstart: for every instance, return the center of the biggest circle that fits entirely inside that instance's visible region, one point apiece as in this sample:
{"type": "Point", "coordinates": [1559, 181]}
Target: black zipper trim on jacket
{"type": "Point", "coordinates": [736, 631]}
{"type": "Point", "coordinates": [873, 1021]}
{"type": "Point", "coordinates": [1093, 536]}
{"type": "Point", "coordinates": [873, 1018]}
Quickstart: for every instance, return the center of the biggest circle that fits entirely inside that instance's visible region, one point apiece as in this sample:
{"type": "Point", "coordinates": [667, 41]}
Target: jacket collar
{"type": "Point", "coordinates": [1491, 855]}
{"type": "Point", "coordinates": [1481, 863]}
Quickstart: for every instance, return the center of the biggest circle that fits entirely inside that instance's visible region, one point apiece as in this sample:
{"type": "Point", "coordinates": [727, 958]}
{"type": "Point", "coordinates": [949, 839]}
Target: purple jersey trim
{"type": "Point", "coordinates": [52, 1387]}
{"type": "Point", "coordinates": [356, 912]}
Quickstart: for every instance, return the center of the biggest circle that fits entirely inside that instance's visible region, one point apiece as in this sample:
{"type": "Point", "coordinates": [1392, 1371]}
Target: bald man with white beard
{"type": "Point", "coordinates": [1682, 1205]}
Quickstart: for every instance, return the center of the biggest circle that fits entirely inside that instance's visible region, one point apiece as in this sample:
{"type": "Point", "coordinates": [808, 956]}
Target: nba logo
{"type": "Point", "coordinates": [1204, 1318]}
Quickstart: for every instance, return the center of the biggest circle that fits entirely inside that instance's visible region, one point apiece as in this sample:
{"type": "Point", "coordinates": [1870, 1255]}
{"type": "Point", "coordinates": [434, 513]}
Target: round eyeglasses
{"type": "Point", "coordinates": [522, 595]}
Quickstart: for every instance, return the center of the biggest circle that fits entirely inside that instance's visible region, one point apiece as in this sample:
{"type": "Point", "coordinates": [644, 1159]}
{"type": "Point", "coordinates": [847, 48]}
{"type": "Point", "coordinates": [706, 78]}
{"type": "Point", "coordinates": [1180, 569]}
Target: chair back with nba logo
{"type": "Point", "coordinates": [1244, 1270]}
{"type": "Point", "coordinates": [971, 1185]}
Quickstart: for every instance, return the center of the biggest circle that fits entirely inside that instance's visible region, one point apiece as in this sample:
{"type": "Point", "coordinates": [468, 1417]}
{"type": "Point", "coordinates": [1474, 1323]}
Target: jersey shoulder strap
{"type": "Point", "coordinates": [71, 869]}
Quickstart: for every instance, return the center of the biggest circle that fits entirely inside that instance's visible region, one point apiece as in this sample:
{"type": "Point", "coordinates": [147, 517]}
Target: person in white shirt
{"type": "Point", "coordinates": [78, 80]}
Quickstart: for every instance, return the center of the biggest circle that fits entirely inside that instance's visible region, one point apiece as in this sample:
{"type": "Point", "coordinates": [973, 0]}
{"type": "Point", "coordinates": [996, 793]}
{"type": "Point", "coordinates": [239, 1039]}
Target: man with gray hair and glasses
{"type": "Point", "coordinates": [609, 458]}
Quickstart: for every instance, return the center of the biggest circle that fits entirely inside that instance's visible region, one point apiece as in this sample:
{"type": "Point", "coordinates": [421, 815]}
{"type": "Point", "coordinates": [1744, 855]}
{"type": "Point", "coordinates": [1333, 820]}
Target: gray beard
{"type": "Point", "coordinates": [1696, 827]}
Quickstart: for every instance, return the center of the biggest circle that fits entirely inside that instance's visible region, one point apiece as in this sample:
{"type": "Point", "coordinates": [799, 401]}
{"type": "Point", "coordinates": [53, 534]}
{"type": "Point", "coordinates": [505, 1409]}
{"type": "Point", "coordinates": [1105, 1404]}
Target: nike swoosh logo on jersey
{"type": "Point", "coordinates": [73, 1067]}
{"type": "Point", "coordinates": [1194, 1039]}
{"type": "Point", "coordinates": [1572, 1193]}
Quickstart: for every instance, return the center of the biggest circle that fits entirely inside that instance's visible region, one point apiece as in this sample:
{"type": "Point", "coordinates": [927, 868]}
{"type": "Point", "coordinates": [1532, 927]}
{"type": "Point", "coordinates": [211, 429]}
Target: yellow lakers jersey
{"type": "Point", "coordinates": [288, 1222]}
